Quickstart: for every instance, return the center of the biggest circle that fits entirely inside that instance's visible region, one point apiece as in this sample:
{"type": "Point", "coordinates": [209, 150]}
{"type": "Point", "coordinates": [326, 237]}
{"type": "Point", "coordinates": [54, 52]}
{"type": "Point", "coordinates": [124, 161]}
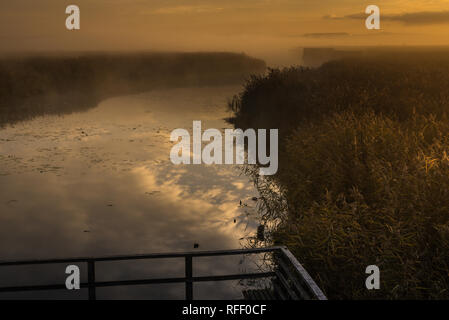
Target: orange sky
{"type": "Point", "coordinates": [252, 26]}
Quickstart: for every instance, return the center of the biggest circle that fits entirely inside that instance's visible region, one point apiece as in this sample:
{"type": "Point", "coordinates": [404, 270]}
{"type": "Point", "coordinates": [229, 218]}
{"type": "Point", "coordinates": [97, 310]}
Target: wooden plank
{"type": "Point", "coordinates": [279, 292]}
{"type": "Point", "coordinates": [313, 287]}
{"type": "Point", "coordinates": [266, 293]}
{"type": "Point", "coordinates": [257, 294]}
{"type": "Point", "coordinates": [251, 295]}
{"type": "Point", "coordinates": [303, 293]}
{"type": "Point", "coordinates": [286, 286]}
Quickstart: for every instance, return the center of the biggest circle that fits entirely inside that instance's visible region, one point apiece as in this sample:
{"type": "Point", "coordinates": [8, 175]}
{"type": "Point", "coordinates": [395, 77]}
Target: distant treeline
{"type": "Point", "coordinates": [363, 172]}
{"type": "Point", "coordinates": [37, 85]}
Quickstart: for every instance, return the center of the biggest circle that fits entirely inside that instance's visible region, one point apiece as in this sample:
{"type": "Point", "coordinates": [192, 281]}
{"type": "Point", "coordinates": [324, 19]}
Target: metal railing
{"type": "Point", "coordinates": [296, 283]}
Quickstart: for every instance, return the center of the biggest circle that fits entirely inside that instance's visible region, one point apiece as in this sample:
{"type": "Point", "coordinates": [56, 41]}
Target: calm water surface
{"type": "Point", "coordinates": [101, 183]}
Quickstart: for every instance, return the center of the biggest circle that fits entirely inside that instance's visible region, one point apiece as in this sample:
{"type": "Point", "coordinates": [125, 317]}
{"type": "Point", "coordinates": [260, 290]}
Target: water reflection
{"type": "Point", "coordinates": [101, 182]}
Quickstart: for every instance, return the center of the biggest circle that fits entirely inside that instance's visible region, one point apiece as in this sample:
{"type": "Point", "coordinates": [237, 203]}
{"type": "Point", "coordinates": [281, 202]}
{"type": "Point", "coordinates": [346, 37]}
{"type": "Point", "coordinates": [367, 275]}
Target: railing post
{"type": "Point", "coordinates": [189, 275]}
{"type": "Point", "coordinates": [91, 279]}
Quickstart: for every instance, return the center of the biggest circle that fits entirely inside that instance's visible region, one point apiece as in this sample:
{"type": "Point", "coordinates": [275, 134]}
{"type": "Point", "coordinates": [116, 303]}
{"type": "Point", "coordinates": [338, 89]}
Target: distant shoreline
{"type": "Point", "coordinates": [48, 83]}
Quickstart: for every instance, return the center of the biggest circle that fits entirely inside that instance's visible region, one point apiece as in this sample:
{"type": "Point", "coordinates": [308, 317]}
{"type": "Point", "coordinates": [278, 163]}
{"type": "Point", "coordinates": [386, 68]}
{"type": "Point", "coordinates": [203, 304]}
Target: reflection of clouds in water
{"type": "Point", "coordinates": [152, 210]}
{"type": "Point", "coordinates": [206, 199]}
{"type": "Point", "coordinates": [91, 150]}
{"type": "Point", "coordinates": [100, 183]}
{"type": "Point", "coordinates": [238, 185]}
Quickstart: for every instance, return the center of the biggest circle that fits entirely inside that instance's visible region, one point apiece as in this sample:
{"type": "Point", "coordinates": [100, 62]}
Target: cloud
{"type": "Point", "coordinates": [327, 35]}
{"type": "Point", "coordinates": [335, 17]}
{"type": "Point", "coordinates": [344, 35]}
{"type": "Point", "coordinates": [421, 17]}
{"type": "Point", "coordinates": [413, 18]}
{"type": "Point", "coordinates": [186, 9]}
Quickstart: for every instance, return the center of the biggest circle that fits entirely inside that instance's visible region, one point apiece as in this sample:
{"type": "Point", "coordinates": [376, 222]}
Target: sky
{"type": "Point", "coordinates": [251, 26]}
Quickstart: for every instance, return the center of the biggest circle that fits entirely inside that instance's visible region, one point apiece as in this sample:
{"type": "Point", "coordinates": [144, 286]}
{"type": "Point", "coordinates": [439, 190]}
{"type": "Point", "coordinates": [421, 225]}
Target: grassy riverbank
{"type": "Point", "coordinates": [364, 171]}
{"type": "Point", "coordinates": [57, 84]}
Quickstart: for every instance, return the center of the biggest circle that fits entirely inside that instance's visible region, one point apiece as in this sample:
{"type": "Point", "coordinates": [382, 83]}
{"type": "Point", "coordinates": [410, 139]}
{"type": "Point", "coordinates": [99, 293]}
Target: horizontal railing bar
{"type": "Point", "coordinates": [137, 282]}
{"type": "Point", "coordinates": [178, 280]}
{"type": "Point", "coordinates": [143, 256]}
{"type": "Point", "coordinates": [142, 282]}
{"type": "Point", "coordinates": [234, 277]}
{"type": "Point", "coordinates": [37, 288]}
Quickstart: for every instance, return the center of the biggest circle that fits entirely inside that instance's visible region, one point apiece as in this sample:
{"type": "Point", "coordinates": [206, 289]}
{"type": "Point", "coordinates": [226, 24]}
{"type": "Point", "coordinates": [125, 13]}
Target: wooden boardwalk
{"type": "Point", "coordinates": [289, 280]}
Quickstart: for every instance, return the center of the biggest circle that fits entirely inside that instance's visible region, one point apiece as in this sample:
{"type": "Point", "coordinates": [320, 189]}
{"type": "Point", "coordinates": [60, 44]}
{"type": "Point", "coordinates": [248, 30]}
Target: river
{"type": "Point", "coordinates": [101, 183]}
